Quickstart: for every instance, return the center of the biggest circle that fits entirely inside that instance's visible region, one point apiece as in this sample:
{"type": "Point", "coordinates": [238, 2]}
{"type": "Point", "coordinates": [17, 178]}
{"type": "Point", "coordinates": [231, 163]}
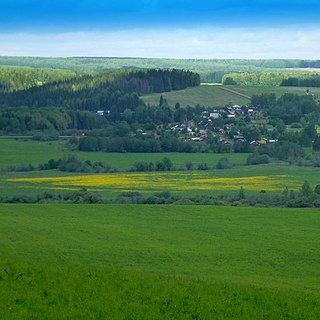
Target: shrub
{"type": "Point", "coordinates": [189, 165]}
{"type": "Point", "coordinates": [258, 159]}
{"type": "Point", "coordinates": [223, 163]}
{"type": "Point", "coordinates": [203, 166]}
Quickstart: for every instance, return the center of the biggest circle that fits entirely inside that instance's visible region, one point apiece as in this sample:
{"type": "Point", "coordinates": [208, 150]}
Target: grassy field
{"type": "Point", "coordinates": [158, 262]}
{"type": "Point", "coordinates": [279, 91]}
{"type": "Point", "coordinates": [217, 95]}
{"type": "Point", "coordinates": [17, 152]}
{"type": "Point", "coordinates": [271, 178]}
{"type": "Point", "coordinates": [207, 95]}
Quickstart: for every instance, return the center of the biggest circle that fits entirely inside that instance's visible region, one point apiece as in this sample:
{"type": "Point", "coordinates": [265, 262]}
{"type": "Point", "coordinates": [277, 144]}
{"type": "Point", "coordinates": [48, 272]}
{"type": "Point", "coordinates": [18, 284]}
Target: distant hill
{"type": "Point", "coordinates": [21, 78]}
{"type": "Point", "coordinates": [210, 70]}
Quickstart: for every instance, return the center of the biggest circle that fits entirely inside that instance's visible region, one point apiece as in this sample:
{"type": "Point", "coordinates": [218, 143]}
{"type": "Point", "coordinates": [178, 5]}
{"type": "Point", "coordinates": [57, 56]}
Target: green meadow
{"type": "Point", "coordinates": [18, 152]}
{"type": "Point", "coordinates": [277, 90]}
{"type": "Point", "coordinates": [158, 262]}
{"type": "Point", "coordinates": [207, 95]}
{"type": "Point", "coordinates": [218, 95]}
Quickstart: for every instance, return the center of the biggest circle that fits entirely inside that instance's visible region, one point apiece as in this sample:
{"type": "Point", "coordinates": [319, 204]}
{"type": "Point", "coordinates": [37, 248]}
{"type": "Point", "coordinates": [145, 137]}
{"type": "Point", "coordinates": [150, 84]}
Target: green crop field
{"type": "Point", "coordinates": [217, 95]}
{"type": "Point", "coordinates": [279, 91]}
{"type": "Point", "coordinates": [158, 262]}
{"type": "Point", "coordinates": [17, 152]}
{"type": "Point", "coordinates": [207, 95]}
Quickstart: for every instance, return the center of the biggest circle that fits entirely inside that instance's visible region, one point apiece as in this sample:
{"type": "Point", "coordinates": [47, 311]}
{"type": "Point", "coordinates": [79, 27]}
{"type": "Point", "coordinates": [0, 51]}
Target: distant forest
{"type": "Point", "coordinates": [113, 90]}
{"type": "Point", "coordinates": [210, 70]}
{"type": "Point", "coordinates": [266, 78]}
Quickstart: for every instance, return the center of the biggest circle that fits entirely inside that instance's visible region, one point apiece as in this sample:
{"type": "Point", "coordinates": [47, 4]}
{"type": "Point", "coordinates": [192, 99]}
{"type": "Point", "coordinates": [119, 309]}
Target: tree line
{"type": "Point", "coordinates": [297, 82]}
{"type": "Point", "coordinates": [290, 108]}
{"type": "Point", "coordinates": [267, 78]}
{"type": "Point", "coordinates": [117, 90]}
{"type": "Point", "coordinates": [305, 197]}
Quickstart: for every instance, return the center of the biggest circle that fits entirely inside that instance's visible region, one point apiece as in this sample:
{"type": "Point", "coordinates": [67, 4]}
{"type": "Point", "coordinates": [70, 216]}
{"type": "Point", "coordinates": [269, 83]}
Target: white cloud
{"type": "Point", "coordinates": [179, 43]}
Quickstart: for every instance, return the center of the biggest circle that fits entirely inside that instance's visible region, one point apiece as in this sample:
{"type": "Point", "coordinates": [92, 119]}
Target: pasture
{"type": "Point", "coordinates": [218, 95]}
{"type": "Point", "coordinates": [278, 91]}
{"type": "Point", "coordinates": [18, 152]}
{"type": "Point", "coordinates": [158, 262]}
{"type": "Point", "coordinates": [206, 95]}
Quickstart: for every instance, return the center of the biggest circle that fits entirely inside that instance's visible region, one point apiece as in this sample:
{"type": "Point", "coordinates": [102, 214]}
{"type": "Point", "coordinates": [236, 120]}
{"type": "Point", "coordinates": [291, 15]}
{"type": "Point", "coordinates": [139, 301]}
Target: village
{"type": "Point", "coordinates": [223, 124]}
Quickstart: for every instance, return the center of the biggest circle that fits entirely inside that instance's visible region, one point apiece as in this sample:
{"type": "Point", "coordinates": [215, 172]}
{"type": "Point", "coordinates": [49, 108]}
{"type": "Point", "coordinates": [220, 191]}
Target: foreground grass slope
{"type": "Point", "coordinates": [158, 262]}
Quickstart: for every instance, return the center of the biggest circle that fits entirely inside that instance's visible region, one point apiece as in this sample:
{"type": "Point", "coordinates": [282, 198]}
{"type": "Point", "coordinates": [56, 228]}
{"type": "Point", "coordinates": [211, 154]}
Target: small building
{"type": "Point", "coordinates": [255, 143]}
{"type": "Point", "coordinates": [239, 137]}
{"type": "Point", "coordinates": [214, 115]}
{"type": "Point", "coordinates": [262, 141]}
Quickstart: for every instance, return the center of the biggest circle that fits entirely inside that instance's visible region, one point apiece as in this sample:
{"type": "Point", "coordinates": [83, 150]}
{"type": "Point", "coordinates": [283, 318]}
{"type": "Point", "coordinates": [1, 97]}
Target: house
{"type": "Point", "coordinates": [100, 112]}
{"type": "Point", "coordinates": [230, 110]}
{"type": "Point", "coordinates": [222, 132]}
{"type": "Point", "coordinates": [214, 115]}
{"type": "Point", "coordinates": [239, 137]}
{"type": "Point", "coordinates": [263, 141]}
{"type": "Point", "coordinates": [254, 143]}
{"type": "Point", "coordinates": [175, 127]}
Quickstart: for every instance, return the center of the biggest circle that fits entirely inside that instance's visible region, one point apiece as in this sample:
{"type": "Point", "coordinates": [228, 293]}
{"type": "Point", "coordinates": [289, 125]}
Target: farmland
{"type": "Point", "coordinates": [217, 95]}
{"type": "Point", "coordinates": [185, 262]}
{"type": "Point", "coordinates": [17, 152]}
{"type": "Point", "coordinates": [167, 235]}
{"type": "Point", "coordinates": [207, 95]}
{"type": "Point", "coordinates": [271, 178]}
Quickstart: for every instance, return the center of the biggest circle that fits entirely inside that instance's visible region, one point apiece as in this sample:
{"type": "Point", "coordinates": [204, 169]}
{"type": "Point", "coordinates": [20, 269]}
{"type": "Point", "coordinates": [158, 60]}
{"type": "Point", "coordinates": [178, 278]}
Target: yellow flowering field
{"type": "Point", "coordinates": [175, 181]}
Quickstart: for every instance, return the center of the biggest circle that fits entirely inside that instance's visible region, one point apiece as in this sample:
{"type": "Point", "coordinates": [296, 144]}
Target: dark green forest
{"type": "Point", "coordinates": [103, 91]}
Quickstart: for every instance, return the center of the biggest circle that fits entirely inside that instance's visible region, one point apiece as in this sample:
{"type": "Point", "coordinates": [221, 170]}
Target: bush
{"type": "Point", "coordinates": [189, 165]}
{"type": "Point", "coordinates": [228, 81]}
{"type": "Point", "coordinates": [141, 166]}
{"type": "Point", "coordinates": [223, 163]}
{"type": "Point", "coordinates": [296, 125]}
{"type": "Point", "coordinates": [258, 159]}
{"type": "Point", "coordinates": [203, 166]}
{"type": "Point", "coordinates": [317, 189]}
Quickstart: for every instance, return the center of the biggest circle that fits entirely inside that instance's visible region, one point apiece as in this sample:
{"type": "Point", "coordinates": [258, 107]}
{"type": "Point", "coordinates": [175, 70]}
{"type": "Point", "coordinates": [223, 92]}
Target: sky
{"type": "Point", "coordinates": [253, 29]}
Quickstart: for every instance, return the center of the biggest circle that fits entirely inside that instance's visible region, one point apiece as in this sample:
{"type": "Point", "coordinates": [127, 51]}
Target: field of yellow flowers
{"type": "Point", "coordinates": [173, 181]}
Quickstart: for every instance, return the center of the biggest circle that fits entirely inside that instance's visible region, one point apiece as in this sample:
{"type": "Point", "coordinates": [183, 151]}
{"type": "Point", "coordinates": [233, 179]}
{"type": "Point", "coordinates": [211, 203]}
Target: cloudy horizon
{"type": "Point", "coordinates": [161, 29]}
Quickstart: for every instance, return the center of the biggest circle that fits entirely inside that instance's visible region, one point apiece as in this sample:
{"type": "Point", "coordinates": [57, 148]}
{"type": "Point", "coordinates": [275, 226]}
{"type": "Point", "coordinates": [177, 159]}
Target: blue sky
{"type": "Point", "coordinates": [161, 28]}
